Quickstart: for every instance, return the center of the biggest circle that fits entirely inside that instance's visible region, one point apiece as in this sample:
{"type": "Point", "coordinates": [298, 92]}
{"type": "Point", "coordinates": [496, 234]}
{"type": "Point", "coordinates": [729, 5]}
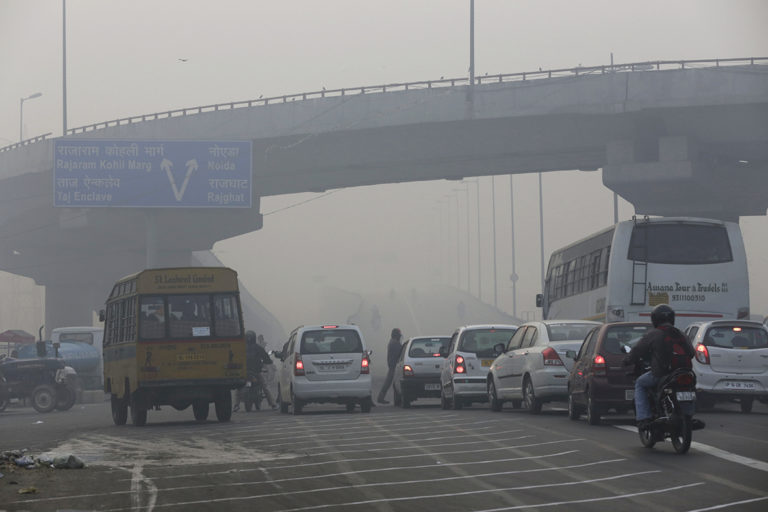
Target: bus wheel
{"type": "Point", "coordinates": [223, 405]}
{"type": "Point", "coordinates": [200, 409]}
{"type": "Point", "coordinates": [119, 410]}
{"type": "Point", "coordinates": [138, 411]}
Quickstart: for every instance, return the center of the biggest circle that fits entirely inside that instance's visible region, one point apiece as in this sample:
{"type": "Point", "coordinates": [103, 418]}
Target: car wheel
{"type": "Point", "coordinates": [573, 410]}
{"type": "Point", "coordinates": [532, 404]}
{"type": "Point", "coordinates": [746, 404]}
{"type": "Point", "coordinates": [406, 401]}
{"type": "Point", "coordinates": [119, 410]}
{"type": "Point", "coordinates": [704, 402]}
{"type": "Point", "coordinates": [297, 405]}
{"type": "Point", "coordinates": [283, 405]}
{"type": "Point", "coordinates": [223, 405]}
{"type": "Point", "coordinates": [516, 404]}
{"type": "Point", "coordinates": [3, 404]}
{"type": "Point", "coordinates": [444, 402]}
{"type": "Point", "coordinates": [350, 407]}
{"type": "Point", "coordinates": [65, 398]}
{"type": "Point", "coordinates": [138, 411]}
{"type": "Point", "coordinates": [44, 398]}
{"type": "Point", "coordinates": [398, 399]}
{"type": "Point", "coordinates": [493, 401]}
{"type": "Point", "coordinates": [200, 409]}
{"type": "Point", "coordinates": [457, 403]}
{"type": "Point", "coordinates": [593, 412]}
{"type": "Point", "coordinates": [365, 405]}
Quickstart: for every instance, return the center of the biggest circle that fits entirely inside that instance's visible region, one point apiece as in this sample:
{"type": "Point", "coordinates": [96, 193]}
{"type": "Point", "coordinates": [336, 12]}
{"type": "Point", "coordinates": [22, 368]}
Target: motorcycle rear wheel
{"type": "Point", "coordinates": [681, 440]}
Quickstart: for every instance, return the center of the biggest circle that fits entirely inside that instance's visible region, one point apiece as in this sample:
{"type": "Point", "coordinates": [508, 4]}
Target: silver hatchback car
{"type": "Point", "coordinates": [417, 372]}
{"type": "Point", "coordinates": [731, 362]}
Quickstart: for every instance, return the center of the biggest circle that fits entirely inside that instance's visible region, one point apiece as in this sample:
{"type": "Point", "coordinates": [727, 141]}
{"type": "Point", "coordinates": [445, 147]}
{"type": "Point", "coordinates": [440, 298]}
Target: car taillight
{"type": "Point", "coordinates": [298, 366]}
{"type": "Point", "coordinates": [685, 379]}
{"type": "Point", "coordinates": [365, 366]}
{"type": "Point", "coordinates": [551, 358]}
{"type": "Point", "coordinates": [702, 354]}
{"type": "Point", "coordinates": [407, 370]}
{"type": "Point", "coordinates": [459, 366]}
{"type": "Point", "coordinates": [598, 364]}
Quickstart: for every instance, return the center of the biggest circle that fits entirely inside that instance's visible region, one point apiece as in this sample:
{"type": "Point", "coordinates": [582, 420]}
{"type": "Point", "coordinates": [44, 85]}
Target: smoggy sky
{"type": "Point", "coordinates": [134, 57]}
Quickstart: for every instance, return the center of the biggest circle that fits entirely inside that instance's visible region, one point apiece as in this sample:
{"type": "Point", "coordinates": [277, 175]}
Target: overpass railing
{"type": "Point", "coordinates": [26, 142]}
{"type": "Point", "coordinates": [657, 65]}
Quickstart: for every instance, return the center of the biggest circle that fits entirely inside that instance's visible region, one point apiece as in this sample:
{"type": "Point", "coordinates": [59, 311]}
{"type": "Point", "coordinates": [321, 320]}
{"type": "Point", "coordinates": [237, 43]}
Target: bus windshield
{"type": "Point", "coordinates": [189, 316]}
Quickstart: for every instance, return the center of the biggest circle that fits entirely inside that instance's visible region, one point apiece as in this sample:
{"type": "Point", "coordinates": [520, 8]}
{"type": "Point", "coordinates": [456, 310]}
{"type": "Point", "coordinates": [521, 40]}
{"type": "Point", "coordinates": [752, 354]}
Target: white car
{"type": "Point", "coordinates": [731, 361]}
{"type": "Point", "coordinates": [469, 355]}
{"type": "Point", "coordinates": [324, 364]}
{"type": "Point", "coordinates": [533, 367]}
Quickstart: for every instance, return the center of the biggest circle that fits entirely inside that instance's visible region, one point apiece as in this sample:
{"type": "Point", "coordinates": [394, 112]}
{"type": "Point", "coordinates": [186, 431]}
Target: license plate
{"type": "Point", "coordinates": [685, 396]}
{"type": "Point", "coordinates": [735, 384]}
{"type": "Point", "coordinates": [629, 394]}
{"type": "Point", "coordinates": [431, 387]}
{"type": "Point", "coordinates": [332, 367]}
{"type": "Point", "coordinates": [487, 362]}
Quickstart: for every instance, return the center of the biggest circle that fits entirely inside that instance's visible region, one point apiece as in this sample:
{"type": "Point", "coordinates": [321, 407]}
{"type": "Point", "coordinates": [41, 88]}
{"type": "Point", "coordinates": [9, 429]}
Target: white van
{"type": "Point", "coordinates": [324, 364]}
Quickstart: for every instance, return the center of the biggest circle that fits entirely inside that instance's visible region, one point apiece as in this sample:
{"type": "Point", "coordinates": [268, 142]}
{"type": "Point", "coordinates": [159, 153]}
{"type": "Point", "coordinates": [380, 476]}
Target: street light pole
{"type": "Point", "coordinates": [64, 65]}
{"type": "Point", "coordinates": [541, 231]}
{"type": "Point", "coordinates": [466, 195]}
{"type": "Point", "coordinates": [476, 182]}
{"type": "Point", "coordinates": [493, 209]}
{"type": "Point", "coordinates": [21, 112]}
{"type": "Point", "coordinates": [513, 277]}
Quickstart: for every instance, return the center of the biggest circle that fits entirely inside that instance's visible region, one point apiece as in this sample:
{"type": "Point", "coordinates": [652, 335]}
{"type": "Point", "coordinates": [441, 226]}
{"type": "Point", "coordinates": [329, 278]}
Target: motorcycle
{"type": "Point", "coordinates": [672, 405]}
{"type": "Point", "coordinates": [253, 394]}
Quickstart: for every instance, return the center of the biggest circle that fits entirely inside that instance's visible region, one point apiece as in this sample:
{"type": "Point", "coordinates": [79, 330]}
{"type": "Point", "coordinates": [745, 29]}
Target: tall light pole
{"type": "Point", "coordinates": [476, 182]}
{"type": "Point", "coordinates": [541, 231]}
{"type": "Point", "coordinates": [458, 245]}
{"type": "Point", "coordinates": [466, 193]}
{"type": "Point", "coordinates": [513, 277]}
{"type": "Point", "coordinates": [493, 209]}
{"type": "Point", "coordinates": [21, 112]}
{"type": "Point", "coordinates": [64, 65]}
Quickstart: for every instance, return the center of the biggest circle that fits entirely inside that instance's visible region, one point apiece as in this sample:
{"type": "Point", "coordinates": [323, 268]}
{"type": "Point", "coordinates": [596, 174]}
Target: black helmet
{"type": "Point", "coordinates": [250, 337]}
{"type": "Point", "coordinates": [662, 314]}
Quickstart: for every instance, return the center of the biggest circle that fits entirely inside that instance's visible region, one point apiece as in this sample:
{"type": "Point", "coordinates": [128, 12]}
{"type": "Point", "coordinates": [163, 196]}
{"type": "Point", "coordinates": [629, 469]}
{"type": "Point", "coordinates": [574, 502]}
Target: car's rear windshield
{"type": "Point", "coordinates": [481, 341]}
{"type": "Point", "coordinates": [428, 347]}
{"type": "Point", "coordinates": [568, 331]}
{"type": "Point", "coordinates": [737, 337]}
{"type": "Point", "coordinates": [620, 336]}
{"type": "Point", "coordinates": [331, 341]}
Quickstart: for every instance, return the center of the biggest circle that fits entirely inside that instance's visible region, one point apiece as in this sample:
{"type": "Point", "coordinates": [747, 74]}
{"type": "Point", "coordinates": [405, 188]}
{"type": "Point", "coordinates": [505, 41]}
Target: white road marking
{"type": "Point", "coordinates": [448, 495]}
{"type": "Point", "coordinates": [732, 504]}
{"type": "Point", "coordinates": [399, 446]}
{"type": "Point", "coordinates": [716, 452]}
{"type": "Point", "coordinates": [143, 490]}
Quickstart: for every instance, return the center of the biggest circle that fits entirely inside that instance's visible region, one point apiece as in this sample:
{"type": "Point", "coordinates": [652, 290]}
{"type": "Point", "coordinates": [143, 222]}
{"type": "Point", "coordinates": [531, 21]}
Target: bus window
{"type": "Point", "coordinates": [680, 244]}
{"type": "Point", "coordinates": [189, 315]}
{"type": "Point", "coordinates": [152, 324]}
{"type": "Point", "coordinates": [227, 315]}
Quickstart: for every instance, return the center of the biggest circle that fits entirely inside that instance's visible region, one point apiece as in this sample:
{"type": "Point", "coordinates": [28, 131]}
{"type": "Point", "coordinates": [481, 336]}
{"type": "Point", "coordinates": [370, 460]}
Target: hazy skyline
{"type": "Point", "coordinates": [128, 58]}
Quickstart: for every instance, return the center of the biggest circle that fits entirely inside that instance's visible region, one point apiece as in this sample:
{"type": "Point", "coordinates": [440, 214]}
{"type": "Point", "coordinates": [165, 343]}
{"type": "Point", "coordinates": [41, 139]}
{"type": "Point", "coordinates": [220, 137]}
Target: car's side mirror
{"type": "Point", "coordinates": [571, 354]}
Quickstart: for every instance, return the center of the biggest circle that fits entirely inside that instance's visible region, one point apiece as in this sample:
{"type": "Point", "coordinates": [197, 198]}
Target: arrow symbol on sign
{"type": "Point", "coordinates": [167, 165]}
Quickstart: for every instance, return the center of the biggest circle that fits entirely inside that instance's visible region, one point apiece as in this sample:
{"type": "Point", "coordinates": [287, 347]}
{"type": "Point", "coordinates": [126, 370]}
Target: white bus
{"type": "Point", "coordinates": [697, 266]}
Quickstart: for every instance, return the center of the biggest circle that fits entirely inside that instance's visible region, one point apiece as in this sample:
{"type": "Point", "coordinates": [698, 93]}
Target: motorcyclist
{"type": "Point", "coordinates": [255, 359]}
{"type": "Point", "coordinates": [657, 346]}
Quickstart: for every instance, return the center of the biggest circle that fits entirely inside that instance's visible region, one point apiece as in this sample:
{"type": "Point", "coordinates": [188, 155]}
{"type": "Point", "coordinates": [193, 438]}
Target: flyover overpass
{"type": "Point", "coordinates": [682, 137]}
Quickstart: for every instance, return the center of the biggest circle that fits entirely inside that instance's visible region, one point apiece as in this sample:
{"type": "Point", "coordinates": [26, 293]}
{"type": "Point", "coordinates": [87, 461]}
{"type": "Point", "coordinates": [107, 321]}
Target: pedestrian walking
{"type": "Point", "coordinates": [393, 354]}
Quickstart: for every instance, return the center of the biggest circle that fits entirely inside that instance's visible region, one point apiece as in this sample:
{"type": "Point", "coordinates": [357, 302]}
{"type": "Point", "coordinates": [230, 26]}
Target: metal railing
{"type": "Point", "coordinates": [26, 142]}
{"type": "Point", "coordinates": [658, 65]}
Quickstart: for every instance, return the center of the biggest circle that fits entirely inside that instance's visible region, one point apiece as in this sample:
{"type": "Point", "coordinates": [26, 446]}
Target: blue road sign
{"type": "Point", "coordinates": [151, 173]}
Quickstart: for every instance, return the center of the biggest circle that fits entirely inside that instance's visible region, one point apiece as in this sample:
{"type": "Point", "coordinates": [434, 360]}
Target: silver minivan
{"type": "Point", "coordinates": [324, 364]}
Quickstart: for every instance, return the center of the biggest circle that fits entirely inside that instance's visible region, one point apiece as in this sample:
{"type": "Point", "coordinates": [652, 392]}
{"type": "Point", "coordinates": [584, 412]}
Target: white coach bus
{"type": "Point", "coordinates": [697, 266]}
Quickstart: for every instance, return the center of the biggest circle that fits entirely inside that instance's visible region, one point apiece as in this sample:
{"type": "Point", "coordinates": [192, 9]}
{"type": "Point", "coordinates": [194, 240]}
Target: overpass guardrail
{"type": "Point", "coordinates": [486, 79]}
